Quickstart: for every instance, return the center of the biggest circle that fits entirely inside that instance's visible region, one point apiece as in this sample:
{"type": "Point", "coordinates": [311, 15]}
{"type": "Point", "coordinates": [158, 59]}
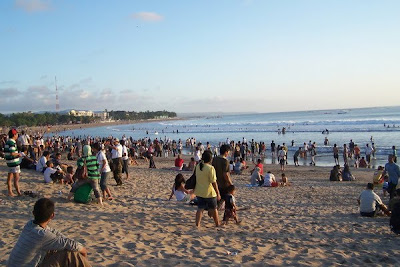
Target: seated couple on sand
{"type": "Point", "coordinates": [268, 180]}
{"type": "Point", "coordinates": [338, 175]}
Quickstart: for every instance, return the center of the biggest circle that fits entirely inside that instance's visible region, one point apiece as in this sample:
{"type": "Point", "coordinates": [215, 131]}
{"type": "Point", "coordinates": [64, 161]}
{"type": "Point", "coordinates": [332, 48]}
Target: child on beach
{"type": "Point", "coordinates": [52, 174]}
{"type": "Point", "coordinates": [284, 180]}
{"type": "Point", "coordinates": [378, 178]}
{"type": "Point", "coordinates": [230, 206]}
{"type": "Point", "coordinates": [178, 189]}
{"type": "Point", "coordinates": [68, 176]}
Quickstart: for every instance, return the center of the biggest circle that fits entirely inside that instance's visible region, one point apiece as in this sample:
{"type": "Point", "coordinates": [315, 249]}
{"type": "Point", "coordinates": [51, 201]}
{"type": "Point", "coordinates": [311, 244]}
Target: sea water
{"type": "Point", "coordinates": [381, 125]}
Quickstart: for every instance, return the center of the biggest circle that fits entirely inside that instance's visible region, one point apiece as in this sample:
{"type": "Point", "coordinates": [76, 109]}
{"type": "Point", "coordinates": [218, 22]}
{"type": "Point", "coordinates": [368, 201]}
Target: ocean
{"type": "Point", "coordinates": [380, 124]}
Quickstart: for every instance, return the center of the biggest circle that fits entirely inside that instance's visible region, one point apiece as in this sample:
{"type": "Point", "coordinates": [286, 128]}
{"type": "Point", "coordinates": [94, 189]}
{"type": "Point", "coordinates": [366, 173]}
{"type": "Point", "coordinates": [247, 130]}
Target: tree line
{"type": "Point", "coordinates": [35, 119]}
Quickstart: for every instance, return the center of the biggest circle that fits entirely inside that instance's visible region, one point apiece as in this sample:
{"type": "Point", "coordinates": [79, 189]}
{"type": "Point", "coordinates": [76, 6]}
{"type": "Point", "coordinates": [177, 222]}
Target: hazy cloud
{"type": "Point", "coordinates": [147, 16]}
{"type": "Point", "coordinates": [33, 5]}
{"type": "Point", "coordinates": [8, 82]}
{"type": "Point", "coordinates": [9, 92]}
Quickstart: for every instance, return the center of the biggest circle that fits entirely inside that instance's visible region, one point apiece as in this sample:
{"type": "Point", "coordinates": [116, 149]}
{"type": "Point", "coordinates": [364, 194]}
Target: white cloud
{"type": "Point", "coordinates": [33, 5]}
{"type": "Point", "coordinates": [147, 16]}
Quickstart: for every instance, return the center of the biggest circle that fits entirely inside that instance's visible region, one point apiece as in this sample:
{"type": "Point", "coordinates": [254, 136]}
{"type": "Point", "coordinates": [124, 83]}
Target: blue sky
{"type": "Point", "coordinates": [199, 56]}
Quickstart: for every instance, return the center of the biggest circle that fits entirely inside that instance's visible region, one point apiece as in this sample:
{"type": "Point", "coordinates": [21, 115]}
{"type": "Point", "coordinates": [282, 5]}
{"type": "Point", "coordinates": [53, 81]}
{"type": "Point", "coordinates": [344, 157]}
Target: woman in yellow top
{"type": "Point", "coordinates": [206, 189]}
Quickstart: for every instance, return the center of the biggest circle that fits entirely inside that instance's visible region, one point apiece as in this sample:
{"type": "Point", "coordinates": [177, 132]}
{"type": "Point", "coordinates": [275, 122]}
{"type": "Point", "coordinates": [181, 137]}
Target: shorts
{"type": "Point", "coordinates": [336, 156]}
{"type": "Point", "coordinates": [15, 169]}
{"type": "Point", "coordinates": [207, 203]}
{"type": "Point", "coordinates": [282, 161]}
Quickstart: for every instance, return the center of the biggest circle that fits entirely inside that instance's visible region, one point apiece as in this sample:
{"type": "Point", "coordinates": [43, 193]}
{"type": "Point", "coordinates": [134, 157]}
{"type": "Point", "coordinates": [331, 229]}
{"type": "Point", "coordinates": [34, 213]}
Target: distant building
{"type": "Point", "coordinates": [103, 115]}
{"type": "Point", "coordinates": [81, 113]}
{"type": "Point", "coordinates": [161, 117]}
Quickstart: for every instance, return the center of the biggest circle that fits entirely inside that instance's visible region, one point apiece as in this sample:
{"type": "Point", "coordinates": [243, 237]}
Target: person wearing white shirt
{"type": "Point", "coordinates": [104, 169]}
{"type": "Point", "coordinates": [116, 156]}
{"type": "Point", "coordinates": [370, 202]}
{"type": "Point", "coordinates": [125, 159]}
{"type": "Point", "coordinates": [41, 164]}
{"type": "Point", "coordinates": [269, 180]}
{"type": "Point", "coordinates": [23, 140]}
{"type": "Point", "coordinates": [368, 152]}
{"type": "Point", "coordinates": [51, 174]}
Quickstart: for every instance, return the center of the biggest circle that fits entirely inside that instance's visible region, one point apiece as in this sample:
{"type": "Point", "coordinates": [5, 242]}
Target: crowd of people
{"type": "Point", "coordinates": [99, 159]}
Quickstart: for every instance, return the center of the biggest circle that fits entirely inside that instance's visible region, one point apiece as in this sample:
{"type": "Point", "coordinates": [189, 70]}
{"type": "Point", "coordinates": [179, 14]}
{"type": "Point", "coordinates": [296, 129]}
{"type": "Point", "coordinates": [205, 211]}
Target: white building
{"type": "Point", "coordinates": [81, 113]}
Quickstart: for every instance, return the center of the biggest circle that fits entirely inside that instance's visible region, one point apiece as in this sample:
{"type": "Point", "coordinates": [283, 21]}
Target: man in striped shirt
{"type": "Point", "coordinates": [93, 174]}
{"type": "Point", "coordinates": [40, 245]}
{"type": "Point", "coordinates": [13, 161]}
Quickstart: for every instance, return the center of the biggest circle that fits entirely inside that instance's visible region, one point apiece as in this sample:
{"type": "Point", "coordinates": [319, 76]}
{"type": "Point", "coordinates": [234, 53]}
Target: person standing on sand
{"type": "Point", "coordinates": [40, 245]}
{"type": "Point", "coordinates": [13, 161]}
{"type": "Point", "coordinates": [116, 156]}
{"type": "Point", "coordinates": [336, 154]}
{"type": "Point", "coordinates": [345, 154]}
{"type": "Point", "coordinates": [393, 171]}
{"type": "Point", "coordinates": [206, 189]}
{"type": "Point", "coordinates": [221, 165]}
{"type": "Point", "coordinates": [104, 169]}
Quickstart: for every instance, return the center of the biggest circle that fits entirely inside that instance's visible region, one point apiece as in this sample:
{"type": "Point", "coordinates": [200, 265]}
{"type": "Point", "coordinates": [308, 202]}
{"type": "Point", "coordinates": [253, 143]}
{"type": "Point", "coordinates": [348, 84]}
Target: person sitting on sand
{"type": "Point", "coordinates": [269, 180]}
{"type": "Point", "coordinates": [230, 206]}
{"type": "Point", "coordinates": [284, 180]}
{"type": "Point", "coordinates": [231, 167]}
{"type": "Point", "coordinates": [178, 189]}
{"type": "Point", "coordinates": [178, 163]}
{"type": "Point", "coordinates": [93, 174]}
{"type": "Point", "coordinates": [378, 178]}
{"type": "Point", "coordinates": [192, 164]}
{"type": "Point", "coordinates": [238, 168]}
{"type": "Point", "coordinates": [26, 161]}
{"type": "Point", "coordinates": [68, 177]}
{"type": "Point", "coordinates": [256, 177]}
{"type": "Point", "coordinates": [362, 163]}
{"type": "Point", "coordinates": [52, 174]}
{"type": "Point", "coordinates": [346, 175]}
{"type": "Point", "coordinates": [40, 245]}
{"type": "Point", "coordinates": [41, 164]}
{"type": "Point", "coordinates": [395, 199]}
{"type": "Point", "coordinates": [336, 174]}
{"type": "Point", "coordinates": [370, 203]}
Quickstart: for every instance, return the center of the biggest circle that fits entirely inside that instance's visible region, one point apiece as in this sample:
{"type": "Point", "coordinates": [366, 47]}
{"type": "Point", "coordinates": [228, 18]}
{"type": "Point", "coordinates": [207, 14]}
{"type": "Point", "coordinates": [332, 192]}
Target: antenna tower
{"type": "Point", "coordinates": [57, 101]}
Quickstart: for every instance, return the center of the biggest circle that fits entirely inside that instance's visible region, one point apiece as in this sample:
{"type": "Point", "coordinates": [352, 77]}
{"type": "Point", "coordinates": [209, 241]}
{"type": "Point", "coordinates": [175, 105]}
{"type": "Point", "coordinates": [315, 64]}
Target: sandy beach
{"type": "Point", "coordinates": [314, 222]}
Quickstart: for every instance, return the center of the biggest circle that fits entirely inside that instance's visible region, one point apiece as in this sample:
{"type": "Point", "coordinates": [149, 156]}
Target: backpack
{"type": "Point", "coordinates": [395, 219]}
{"type": "Point", "coordinates": [83, 194]}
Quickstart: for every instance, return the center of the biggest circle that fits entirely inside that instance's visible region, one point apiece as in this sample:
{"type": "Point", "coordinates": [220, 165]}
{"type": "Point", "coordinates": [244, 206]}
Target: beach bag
{"type": "Point", "coordinates": [81, 173]}
{"type": "Point", "coordinates": [395, 219]}
{"type": "Point", "coordinates": [83, 194]}
{"type": "Point", "coordinates": [191, 182]}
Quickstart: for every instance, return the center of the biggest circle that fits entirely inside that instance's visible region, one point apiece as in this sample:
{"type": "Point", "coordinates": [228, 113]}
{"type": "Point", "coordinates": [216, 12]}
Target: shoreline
{"type": "Point", "coordinates": [51, 129]}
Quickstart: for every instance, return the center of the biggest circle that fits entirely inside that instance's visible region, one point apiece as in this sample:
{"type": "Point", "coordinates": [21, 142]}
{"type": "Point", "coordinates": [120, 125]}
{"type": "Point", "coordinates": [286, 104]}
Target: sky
{"type": "Point", "coordinates": [199, 56]}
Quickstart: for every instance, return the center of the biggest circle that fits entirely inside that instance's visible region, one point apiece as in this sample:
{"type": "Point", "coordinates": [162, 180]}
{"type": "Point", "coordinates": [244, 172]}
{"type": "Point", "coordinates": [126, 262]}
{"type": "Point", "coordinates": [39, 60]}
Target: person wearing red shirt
{"type": "Point", "coordinates": [178, 163]}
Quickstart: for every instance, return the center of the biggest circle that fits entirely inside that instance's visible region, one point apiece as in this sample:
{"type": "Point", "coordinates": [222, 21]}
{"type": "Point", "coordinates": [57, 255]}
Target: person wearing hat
{"type": "Point", "coordinates": [13, 161]}
{"type": "Point", "coordinates": [116, 156]}
{"type": "Point", "coordinates": [93, 174]}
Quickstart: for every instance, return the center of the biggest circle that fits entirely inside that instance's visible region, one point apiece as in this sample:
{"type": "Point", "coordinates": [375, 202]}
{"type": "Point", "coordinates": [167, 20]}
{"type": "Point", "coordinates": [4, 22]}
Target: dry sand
{"type": "Point", "coordinates": [314, 222]}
